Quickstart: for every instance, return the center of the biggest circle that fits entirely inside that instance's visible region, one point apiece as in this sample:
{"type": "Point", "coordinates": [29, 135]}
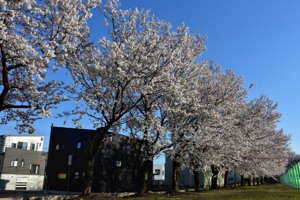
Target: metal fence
{"type": "Point", "coordinates": [292, 176]}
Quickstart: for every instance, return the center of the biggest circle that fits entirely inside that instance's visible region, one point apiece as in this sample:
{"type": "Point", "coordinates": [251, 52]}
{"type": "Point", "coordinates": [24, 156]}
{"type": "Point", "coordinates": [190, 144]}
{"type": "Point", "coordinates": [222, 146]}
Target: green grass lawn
{"type": "Point", "coordinates": [261, 192]}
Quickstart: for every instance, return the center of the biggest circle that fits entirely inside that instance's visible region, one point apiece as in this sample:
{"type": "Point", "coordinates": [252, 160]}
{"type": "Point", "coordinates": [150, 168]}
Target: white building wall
{"type": "Point", "coordinates": [161, 175]}
{"type": "Point", "coordinates": [9, 181]}
{"type": "Point", "coordinates": [38, 141]}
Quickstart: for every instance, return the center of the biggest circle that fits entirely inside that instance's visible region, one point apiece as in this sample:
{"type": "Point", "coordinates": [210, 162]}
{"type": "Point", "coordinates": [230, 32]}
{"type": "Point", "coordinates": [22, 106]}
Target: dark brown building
{"type": "Point", "coordinates": [115, 167]}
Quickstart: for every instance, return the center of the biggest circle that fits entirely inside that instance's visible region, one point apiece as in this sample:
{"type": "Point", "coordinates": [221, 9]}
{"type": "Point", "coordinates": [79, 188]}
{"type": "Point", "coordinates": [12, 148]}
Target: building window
{"type": "Point", "coordinates": [83, 175]}
{"type": "Point", "coordinates": [21, 183]}
{"type": "Point", "coordinates": [22, 145]}
{"type": "Point", "coordinates": [118, 163]}
{"type": "Point", "coordinates": [128, 149]}
{"type": "Point", "coordinates": [124, 149]}
{"type": "Point", "coordinates": [13, 145]}
{"type": "Point", "coordinates": [32, 146]}
{"type": "Point", "coordinates": [105, 153]}
{"type": "Point", "coordinates": [57, 147]}
{"type": "Point", "coordinates": [79, 145]}
{"type": "Point", "coordinates": [22, 163]}
{"type": "Point", "coordinates": [70, 160]}
{"type": "Point", "coordinates": [34, 169]}
{"type": "Point", "coordinates": [62, 176]}
{"type": "Point", "coordinates": [14, 163]}
{"type": "Point", "coordinates": [157, 171]}
{"type": "Point", "coordinates": [112, 152]}
{"type": "Point", "coordinates": [76, 175]}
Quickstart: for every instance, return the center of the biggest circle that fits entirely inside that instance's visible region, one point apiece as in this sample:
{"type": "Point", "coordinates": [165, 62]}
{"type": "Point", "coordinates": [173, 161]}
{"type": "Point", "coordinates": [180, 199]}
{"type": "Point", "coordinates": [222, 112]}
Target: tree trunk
{"type": "Point", "coordinates": [142, 169]}
{"type": "Point", "coordinates": [214, 178]}
{"type": "Point", "coordinates": [249, 180]}
{"type": "Point", "coordinates": [197, 180]}
{"type": "Point", "coordinates": [89, 176]}
{"type": "Point", "coordinates": [175, 176]}
{"type": "Point", "coordinates": [253, 181]}
{"type": "Point", "coordinates": [142, 185]}
{"type": "Point", "coordinates": [94, 146]}
{"type": "Point", "coordinates": [262, 180]}
{"type": "Point", "coordinates": [242, 180]}
{"type": "Point", "coordinates": [225, 178]}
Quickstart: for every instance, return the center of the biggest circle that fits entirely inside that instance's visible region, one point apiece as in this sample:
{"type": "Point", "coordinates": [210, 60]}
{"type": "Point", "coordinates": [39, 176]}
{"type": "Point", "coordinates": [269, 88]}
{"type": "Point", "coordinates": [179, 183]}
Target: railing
{"type": "Point", "coordinates": [292, 176]}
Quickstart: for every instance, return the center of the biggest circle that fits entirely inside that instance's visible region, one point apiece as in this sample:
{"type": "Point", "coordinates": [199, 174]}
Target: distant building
{"type": "Point", "coordinates": [158, 174]}
{"type": "Point", "coordinates": [115, 166]}
{"type": "Point", "coordinates": [22, 162]}
{"type": "Point", "coordinates": [186, 177]}
{"type": "Point", "coordinates": [233, 178]}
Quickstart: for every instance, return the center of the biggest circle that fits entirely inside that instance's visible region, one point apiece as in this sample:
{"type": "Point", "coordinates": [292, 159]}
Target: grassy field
{"type": "Point", "coordinates": [261, 192]}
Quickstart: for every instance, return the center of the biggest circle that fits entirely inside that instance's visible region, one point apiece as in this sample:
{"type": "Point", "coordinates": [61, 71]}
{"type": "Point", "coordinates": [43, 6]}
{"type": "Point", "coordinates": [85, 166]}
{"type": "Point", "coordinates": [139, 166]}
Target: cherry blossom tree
{"type": "Point", "coordinates": [267, 149]}
{"type": "Point", "coordinates": [202, 134]}
{"type": "Point", "coordinates": [219, 128]}
{"type": "Point", "coordinates": [148, 121]}
{"type": "Point", "coordinates": [146, 124]}
{"type": "Point", "coordinates": [183, 115]}
{"type": "Point", "coordinates": [121, 74]}
{"type": "Point", "coordinates": [33, 36]}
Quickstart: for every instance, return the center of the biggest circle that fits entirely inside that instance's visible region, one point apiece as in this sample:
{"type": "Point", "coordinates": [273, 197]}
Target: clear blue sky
{"type": "Point", "coordinates": [258, 39]}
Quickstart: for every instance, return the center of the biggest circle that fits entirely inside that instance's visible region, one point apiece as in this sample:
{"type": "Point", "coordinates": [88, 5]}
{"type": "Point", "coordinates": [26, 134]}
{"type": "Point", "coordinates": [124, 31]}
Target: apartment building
{"type": "Point", "coordinates": [22, 162]}
{"type": "Point", "coordinates": [158, 174]}
{"type": "Point", "coordinates": [115, 165]}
